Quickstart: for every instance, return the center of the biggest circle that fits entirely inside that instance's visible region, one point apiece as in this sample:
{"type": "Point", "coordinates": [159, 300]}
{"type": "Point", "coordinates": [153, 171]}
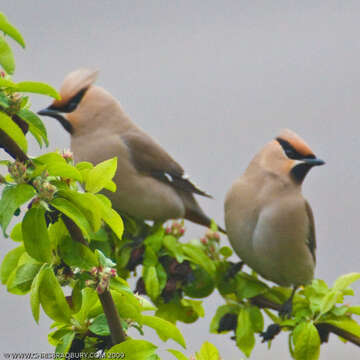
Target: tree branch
{"type": "Point", "coordinates": [11, 147]}
{"type": "Point", "coordinates": [261, 302]}
{"type": "Point", "coordinates": [112, 316]}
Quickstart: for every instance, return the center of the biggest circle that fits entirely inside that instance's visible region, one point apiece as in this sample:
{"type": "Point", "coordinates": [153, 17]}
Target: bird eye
{"type": "Point", "coordinates": [289, 150]}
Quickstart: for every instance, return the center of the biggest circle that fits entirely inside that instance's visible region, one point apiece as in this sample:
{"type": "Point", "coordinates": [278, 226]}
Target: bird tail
{"type": "Point", "coordinates": [194, 213]}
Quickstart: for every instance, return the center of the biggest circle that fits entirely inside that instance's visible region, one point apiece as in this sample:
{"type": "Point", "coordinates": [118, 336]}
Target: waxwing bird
{"type": "Point", "coordinates": [269, 223]}
{"type": "Point", "coordinates": [150, 184]}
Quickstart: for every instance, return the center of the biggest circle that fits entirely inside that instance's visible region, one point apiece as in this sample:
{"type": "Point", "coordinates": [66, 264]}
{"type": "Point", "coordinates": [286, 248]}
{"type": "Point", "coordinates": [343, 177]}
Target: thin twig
{"type": "Point", "coordinates": [262, 302]}
{"type": "Point", "coordinates": [11, 147]}
{"type": "Point", "coordinates": [112, 316]}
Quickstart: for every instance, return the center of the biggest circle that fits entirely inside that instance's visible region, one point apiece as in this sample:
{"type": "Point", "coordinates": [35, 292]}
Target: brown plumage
{"type": "Point", "coordinates": [150, 183]}
{"type": "Point", "coordinates": [269, 223]}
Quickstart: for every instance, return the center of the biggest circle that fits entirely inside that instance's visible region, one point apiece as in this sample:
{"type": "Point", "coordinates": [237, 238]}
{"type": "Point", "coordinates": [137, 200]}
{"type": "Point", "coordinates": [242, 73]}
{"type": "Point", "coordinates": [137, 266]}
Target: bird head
{"type": "Point", "coordinates": [72, 92]}
{"type": "Point", "coordinates": [289, 155]}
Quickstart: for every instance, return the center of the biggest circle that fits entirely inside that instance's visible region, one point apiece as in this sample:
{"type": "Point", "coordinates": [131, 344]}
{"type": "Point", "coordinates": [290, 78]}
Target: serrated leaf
{"type": "Point", "coordinates": [165, 329]}
{"type": "Point", "coordinates": [100, 175]}
{"type": "Point", "coordinates": [52, 297]}
{"type": "Point", "coordinates": [103, 260]}
{"type": "Point", "coordinates": [208, 351]}
{"type": "Point", "coordinates": [12, 198]}
{"type": "Point", "coordinates": [10, 262]}
{"type": "Point", "coordinates": [35, 235]}
{"type": "Point", "coordinates": [174, 247]}
{"type": "Point", "coordinates": [128, 305]}
{"type": "Point", "coordinates": [133, 350]}
{"type": "Point", "coordinates": [11, 128]}
{"type": "Point", "coordinates": [34, 294]}
{"type": "Point", "coordinates": [112, 219]}
{"type": "Point", "coordinates": [76, 297]}
{"type": "Point", "coordinates": [7, 60]}
{"type": "Point", "coordinates": [76, 254]}
{"type": "Point", "coordinates": [37, 88]}
{"type": "Point", "coordinates": [36, 126]}
{"type": "Point", "coordinates": [11, 30]}
{"type": "Point", "coordinates": [74, 213]}
{"type": "Point", "coordinates": [306, 342]}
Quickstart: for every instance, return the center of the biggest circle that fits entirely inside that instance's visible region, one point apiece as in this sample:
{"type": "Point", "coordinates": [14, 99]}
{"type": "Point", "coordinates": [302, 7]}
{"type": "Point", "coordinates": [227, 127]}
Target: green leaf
{"type": "Point", "coordinates": [10, 262]}
{"type": "Point", "coordinates": [65, 342]}
{"type": "Point", "coordinates": [256, 318]}
{"type": "Point", "coordinates": [132, 350]}
{"type": "Point", "coordinates": [89, 301]}
{"type": "Point", "coordinates": [248, 287]}
{"type": "Point", "coordinates": [177, 354]}
{"type": "Point", "coordinates": [128, 305]}
{"type": "Point", "coordinates": [36, 126]}
{"type": "Point", "coordinates": [100, 175]}
{"type": "Point", "coordinates": [37, 88]}
{"type": "Point", "coordinates": [103, 260]}
{"type": "Point", "coordinates": [34, 294]}
{"type": "Point", "coordinates": [345, 281]}
{"type": "Point", "coordinates": [245, 338]}
{"type": "Point", "coordinates": [56, 165]}
{"type": "Point", "coordinates": [76, 297]}
{"type": "Point", "coordinates": [165, 329]}
{"type": "Point", "coordinates": [74, 213]}
{"type": "Point", "coordinates": [152, 284]}
{"type": "Point", "coordinates": [329, 300]}
{"type": "Point", "coordinates": [174, 247]}
{"type": "Point", "coordinates": [12, 198]}
{"type": "Point", "coordinates": [16, 233]}
{"type": "Point", "coordinates": [100, 326]}
{"type": "Point", "coordinates": [35, 235]}
{"type": "Point", "coordinates": [7, 60]}
{"type": "Point", "coordinates": [76, 254]}
{"type": "Point", "coordinates": [197, 255]}
{"type": "Point", "coordinates": [155, 240]}
{"type": "Point", "coordinates": [112, 219]}
{"type": "Point", "coordinates": [10, 30]}
{"type": "Point", "coordinates": [220, 313]}
{"type": "Point", "coordinates": [11, 128]}
{"type": "Point", "coordinates": [174, 312]}
{"type": "Point", "coordinates": [208, 351]}
{"type": "Point", "coordinates": [347, 324]}
{"type": "Point", "coordinates": [88, 203]}
{"type": "Point", "coordinates": [225, 251]}
{"type": "Point", "coordinates": [24, 277]}
{"type": "Point", "coordinates": [354, 310]}
{"type": "Point", "coordinates": [306, 342]}
{"type": "Point", "coordinates": [52, 298]}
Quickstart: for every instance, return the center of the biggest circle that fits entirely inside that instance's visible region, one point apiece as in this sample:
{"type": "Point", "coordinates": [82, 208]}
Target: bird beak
{"type": "Point", "coordinates": [58, 116]}
{"type": "Point", "coordinates": [314, 162]}
{"type": "Point", "coordinates": [49, 112]}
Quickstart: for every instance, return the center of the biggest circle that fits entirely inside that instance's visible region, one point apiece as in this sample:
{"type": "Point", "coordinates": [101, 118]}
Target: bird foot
{"type": "Point", "coordinates": [270, 333]}
{"type": "Point", "coordinates": [286, 309]}
{"type": "Point", "coordinates": [233, 270]}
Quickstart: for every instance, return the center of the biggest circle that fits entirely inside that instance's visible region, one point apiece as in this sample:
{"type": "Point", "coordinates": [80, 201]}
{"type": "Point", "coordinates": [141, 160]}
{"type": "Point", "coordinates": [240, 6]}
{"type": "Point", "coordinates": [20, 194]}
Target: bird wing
{"type": "Point", "coordinates": [311, 239]}
{"type": "Point", "coordinates": [150, 158]}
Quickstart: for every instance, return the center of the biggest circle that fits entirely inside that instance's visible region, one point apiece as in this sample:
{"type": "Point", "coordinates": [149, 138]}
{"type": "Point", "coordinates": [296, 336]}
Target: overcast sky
{"type": "Point", "coordinates": [212, 82]}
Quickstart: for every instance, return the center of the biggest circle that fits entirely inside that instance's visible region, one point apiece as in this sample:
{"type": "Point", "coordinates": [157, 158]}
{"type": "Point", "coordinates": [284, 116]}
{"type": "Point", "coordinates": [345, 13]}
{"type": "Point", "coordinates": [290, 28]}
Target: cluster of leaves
{"type": "Point", "coordinates": [67, 277]}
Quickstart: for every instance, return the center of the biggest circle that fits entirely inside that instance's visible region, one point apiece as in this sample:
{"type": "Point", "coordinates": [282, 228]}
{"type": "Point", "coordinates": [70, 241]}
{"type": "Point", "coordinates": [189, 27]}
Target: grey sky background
{"type": "Point", "coordinates": [212, 82]}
